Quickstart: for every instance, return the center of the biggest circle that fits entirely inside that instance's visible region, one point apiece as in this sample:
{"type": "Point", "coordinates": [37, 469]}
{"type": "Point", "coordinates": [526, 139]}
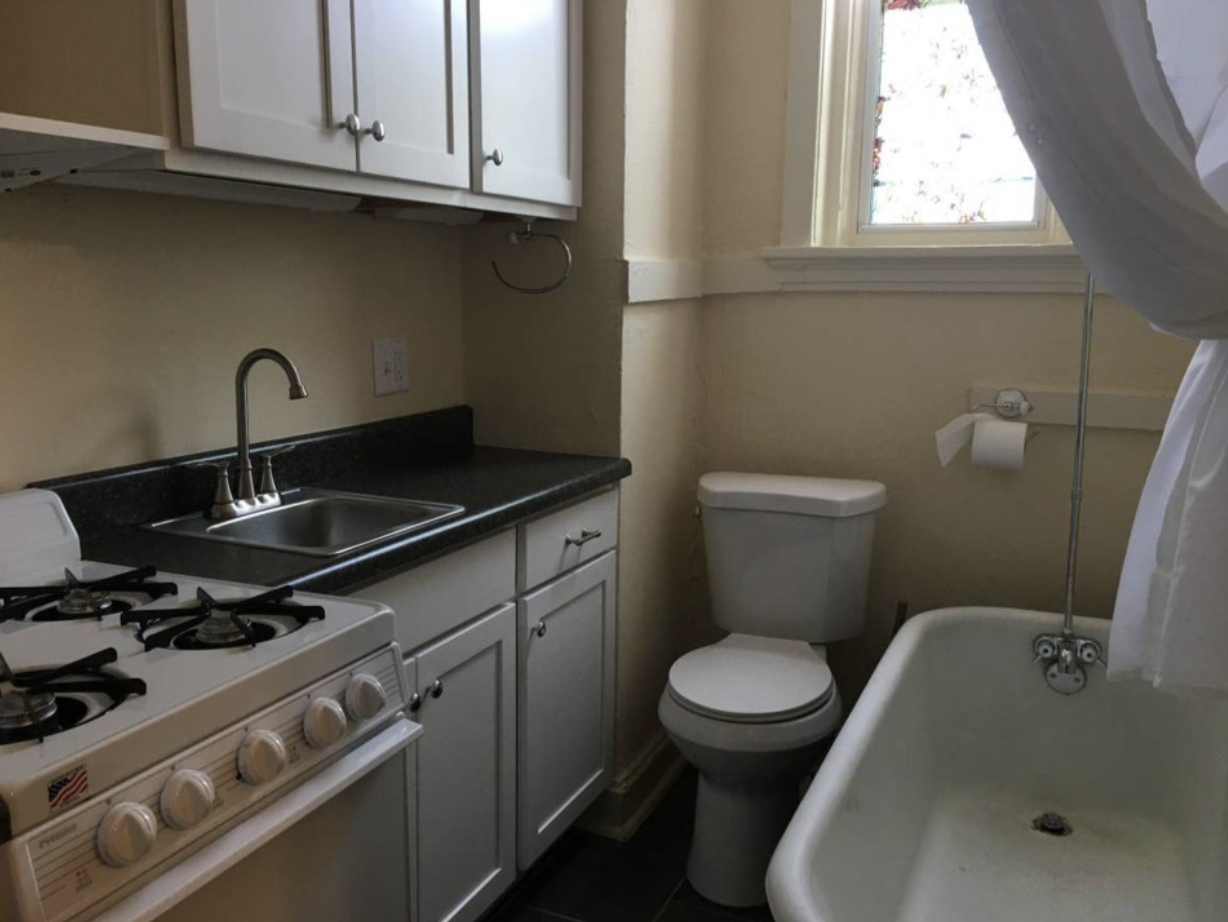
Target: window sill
{"type": "Point", "coordinates": [1053, 268]}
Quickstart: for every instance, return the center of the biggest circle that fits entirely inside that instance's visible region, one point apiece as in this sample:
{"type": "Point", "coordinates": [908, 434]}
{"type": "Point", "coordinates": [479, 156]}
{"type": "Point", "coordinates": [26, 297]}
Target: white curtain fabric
{"type": "Point", "coordinates": [1123, 106]}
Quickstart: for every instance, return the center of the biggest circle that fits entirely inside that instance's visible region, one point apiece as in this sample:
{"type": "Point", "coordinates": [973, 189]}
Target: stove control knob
{"type": "Point", "coordinates": [324, 723]}
{"type": "Point", "coordinates": [262, 756]}
{"type": "Point", "coordinates": [126, 834]}
{"type": "Point", "coordinates": [364, 697]}
{"type": "Point", "coordinates": [187, 798]}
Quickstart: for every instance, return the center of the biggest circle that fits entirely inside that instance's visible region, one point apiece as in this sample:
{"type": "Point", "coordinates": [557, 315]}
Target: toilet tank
{"type": "Point", "coordinates": [789, 556]}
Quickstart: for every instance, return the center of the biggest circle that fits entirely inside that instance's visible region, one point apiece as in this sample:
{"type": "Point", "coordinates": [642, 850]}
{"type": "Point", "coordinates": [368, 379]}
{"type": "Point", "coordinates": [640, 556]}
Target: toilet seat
{"type": "Point", "coordinates": [746, 679]}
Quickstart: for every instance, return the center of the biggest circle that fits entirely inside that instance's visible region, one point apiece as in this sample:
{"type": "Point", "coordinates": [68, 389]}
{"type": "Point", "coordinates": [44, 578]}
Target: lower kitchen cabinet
{"type": "Point", "coordinates": [566, 722]}
{"type": "Point", "coordinates": [466, 769]}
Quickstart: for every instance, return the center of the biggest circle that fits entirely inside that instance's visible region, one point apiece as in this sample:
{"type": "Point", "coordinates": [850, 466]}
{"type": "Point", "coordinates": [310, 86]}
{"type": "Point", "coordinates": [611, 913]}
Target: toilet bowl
{"type": "Point", "coordinates": [788, 566]}
{"type": "Point", "coordinates": [752, 714]}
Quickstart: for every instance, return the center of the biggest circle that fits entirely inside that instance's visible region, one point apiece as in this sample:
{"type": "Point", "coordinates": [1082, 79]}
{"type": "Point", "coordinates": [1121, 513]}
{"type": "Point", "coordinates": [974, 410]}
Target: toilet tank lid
{"type": "Point", "coordinates": [825, 496]}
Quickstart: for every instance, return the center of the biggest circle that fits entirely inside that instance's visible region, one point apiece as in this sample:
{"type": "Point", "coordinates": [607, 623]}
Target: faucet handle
{"type": "Point", "coordinates": [221, 489]}
{"type": "Point", "coordinates": [267, 484]}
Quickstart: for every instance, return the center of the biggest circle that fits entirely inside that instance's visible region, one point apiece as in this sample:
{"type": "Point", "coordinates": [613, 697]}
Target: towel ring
{"type": "Point", "coordinates": [528, 236]}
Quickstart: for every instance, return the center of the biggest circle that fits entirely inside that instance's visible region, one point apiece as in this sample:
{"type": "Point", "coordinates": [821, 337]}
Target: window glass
{"type": "Point", "coordinates": [944, 150]}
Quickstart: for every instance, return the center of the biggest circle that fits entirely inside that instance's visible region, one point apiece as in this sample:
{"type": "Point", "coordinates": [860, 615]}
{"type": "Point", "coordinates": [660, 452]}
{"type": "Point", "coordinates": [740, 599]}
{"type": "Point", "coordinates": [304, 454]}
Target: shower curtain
{"type": "Point", "coordinates": [1123, 107]}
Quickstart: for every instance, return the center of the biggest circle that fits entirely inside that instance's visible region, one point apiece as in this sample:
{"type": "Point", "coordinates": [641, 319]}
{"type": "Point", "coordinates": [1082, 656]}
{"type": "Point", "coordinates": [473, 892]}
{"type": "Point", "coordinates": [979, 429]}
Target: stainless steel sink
{"type": "Point", "coordinates": [320, 523]}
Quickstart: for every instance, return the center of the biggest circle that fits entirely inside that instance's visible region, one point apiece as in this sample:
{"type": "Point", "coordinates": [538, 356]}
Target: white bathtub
{"type": "Point", "coordinates": [922, 811]}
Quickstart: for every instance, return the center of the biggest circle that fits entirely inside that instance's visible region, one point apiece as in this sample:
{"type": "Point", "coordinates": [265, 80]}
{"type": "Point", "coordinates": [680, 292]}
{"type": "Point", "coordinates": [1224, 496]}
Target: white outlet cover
{"type": "Point", "coordinates": [390, 364]}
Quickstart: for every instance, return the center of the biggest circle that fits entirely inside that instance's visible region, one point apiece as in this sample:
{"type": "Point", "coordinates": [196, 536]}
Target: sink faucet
{"type": "Point", "coordinates": [225, 504]}
{"type": "Point", "coordinates": [247, 486]}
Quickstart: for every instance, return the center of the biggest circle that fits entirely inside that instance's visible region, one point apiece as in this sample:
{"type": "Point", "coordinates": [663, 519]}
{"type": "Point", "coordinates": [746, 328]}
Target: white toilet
{"type": "Point", "coordinates": [788, 561]}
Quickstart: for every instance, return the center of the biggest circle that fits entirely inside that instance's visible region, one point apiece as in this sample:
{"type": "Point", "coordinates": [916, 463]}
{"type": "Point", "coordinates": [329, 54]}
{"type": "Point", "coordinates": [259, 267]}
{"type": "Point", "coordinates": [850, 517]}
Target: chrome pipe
{"type": "Point", "coordinates": [1076, 490]}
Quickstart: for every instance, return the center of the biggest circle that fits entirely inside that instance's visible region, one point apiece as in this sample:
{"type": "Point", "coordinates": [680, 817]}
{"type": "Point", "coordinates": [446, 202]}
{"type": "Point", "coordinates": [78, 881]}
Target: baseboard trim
{"type": "Point", "coordinates": [624, 805]}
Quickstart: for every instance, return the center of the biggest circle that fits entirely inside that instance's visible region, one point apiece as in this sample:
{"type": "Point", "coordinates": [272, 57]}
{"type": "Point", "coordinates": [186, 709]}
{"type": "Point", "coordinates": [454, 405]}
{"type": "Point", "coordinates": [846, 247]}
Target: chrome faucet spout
{"type": "Point", "coordinates": [247, 487]}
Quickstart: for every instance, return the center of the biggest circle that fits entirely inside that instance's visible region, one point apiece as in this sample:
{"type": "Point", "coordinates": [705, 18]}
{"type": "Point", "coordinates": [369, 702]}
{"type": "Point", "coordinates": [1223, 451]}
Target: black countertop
{"type": "Point", "coordinates": [498, 487]}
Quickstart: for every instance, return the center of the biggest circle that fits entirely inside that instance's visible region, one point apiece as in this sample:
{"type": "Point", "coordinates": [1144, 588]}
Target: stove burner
{"type": "Point", "coordinates": [77, 599]}
{"type": "Point", "coordinates": [37, 703]}
{"type": "Point", "coordinates": [25, 709]}
{"type": "Point", "coordinates": [210, 624]}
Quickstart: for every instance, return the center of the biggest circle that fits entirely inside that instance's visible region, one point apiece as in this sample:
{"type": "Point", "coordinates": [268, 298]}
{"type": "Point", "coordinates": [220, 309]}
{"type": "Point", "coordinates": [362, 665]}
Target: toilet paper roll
{"type": "Point", "coordinates": [999, 443]}
{"type": "Point", "coordinates": [956, 434]}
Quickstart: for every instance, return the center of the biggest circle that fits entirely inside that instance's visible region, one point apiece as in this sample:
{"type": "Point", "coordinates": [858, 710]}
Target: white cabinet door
{"type": "Point", "coordinates": [466, 768]}
{"type": "Point", "coordinates": [525, 60]}
{"type": "Point", "coordinates": [566, 701]}
{"type": "Point", "coordinates": [272, 79]}
{"type": "Point", "coordinates": [413, 79]}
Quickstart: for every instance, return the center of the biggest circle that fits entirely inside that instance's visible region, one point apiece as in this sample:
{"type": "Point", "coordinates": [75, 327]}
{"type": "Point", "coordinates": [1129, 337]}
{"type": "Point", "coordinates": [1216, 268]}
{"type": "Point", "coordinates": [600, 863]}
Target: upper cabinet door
{"type": "Point", "coordinates": [525, 61]}
{"type": "Point", "coordinates": [413, 80]}
{"type": "Point", "coordinates": [269, 79]}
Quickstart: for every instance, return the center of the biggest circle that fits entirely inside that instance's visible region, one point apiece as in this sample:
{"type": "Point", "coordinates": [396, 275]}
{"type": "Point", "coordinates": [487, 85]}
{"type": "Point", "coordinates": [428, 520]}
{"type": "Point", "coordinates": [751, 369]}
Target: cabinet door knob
{"type": "Point", "coordinates": [352, 125]}
{"type": "Point", "coordinates": [495, 157]}
{"type": "Point", "coordinates": [540, 630]}
{"type": "Point", "coordinates": [415, 703]}
{"type": "Point", "coordinates": [377, 130]}
{"type": "Point", "coordinates": [436, 689]}
{"type": "Point", "coordinates": [586, 535]}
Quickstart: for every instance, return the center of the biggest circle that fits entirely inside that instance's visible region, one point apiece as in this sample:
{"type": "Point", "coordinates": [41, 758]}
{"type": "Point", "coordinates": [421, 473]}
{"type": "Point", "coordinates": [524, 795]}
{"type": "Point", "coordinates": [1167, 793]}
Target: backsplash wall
{"type": "Point", "coordinates": [123, 317]}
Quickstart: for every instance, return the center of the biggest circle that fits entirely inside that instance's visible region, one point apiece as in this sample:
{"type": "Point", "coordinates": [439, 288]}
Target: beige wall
{"type": "Point", "coordinates": [543, 371]}
{"type": "Point", "coordinates": [744, 124]}
{"type": "Point", "coordinates": [660, 615]}
{"type": "Point", "coordinates": [665, 156]}
{"type": "Point", "coordinates": [855, 385]}
{"type": "Point", "coordinates": [124, 316]}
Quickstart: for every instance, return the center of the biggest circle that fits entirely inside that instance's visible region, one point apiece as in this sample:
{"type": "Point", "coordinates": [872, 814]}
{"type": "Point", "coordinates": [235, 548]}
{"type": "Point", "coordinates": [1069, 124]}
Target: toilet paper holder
{"type": "Point", "coordinates": [1009, 403]}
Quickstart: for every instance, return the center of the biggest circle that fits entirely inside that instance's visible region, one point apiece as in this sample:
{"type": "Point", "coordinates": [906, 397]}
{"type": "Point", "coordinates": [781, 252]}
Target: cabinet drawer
{"type": "Point", "coordinates": [440, 596]}
{"type": "Point", "coordinates": [557, 542]}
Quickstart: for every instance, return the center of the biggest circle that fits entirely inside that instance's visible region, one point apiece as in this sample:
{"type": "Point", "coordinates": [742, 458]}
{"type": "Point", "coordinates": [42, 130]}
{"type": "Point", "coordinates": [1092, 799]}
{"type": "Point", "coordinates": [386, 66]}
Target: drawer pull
{"type": "Point", "coordinates": [586, 535]}
{"type": "Point", "coordinates": [416, 702]}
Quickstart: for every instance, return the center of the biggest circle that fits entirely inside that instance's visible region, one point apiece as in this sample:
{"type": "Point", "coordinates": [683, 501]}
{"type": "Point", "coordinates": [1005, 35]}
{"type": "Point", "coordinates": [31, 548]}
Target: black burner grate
{"type": "Point", "coordinates": [37, 703]}
{"type": "Point", "coordinates": [64, 602]}
{"type": "Point", "coordinates": [212, 624]}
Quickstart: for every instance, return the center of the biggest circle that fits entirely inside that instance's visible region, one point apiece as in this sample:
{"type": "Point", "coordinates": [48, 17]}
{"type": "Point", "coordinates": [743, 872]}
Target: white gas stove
{"type": "Point", "coordinates": [144, 717]}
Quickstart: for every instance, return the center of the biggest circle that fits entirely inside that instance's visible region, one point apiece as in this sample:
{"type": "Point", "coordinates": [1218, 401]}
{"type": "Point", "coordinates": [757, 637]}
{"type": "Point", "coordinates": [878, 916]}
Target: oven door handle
{"type": "Point", "coordinates": [269, 821]}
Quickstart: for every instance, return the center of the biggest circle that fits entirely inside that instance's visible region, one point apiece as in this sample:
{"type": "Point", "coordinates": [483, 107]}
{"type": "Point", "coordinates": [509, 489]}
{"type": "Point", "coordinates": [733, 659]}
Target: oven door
{"type": "Point", "coordinates": [334, 848]}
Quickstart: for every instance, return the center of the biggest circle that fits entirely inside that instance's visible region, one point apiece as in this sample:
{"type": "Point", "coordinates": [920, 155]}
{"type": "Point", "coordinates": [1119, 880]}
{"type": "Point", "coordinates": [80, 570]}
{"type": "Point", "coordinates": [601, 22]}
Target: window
{"type": "Point", "coordinates": [897, 136]}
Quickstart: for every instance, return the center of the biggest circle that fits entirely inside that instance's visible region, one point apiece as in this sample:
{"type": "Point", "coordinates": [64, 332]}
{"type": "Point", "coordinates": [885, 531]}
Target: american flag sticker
{"type": "Point", "coordinates": [68, 788]}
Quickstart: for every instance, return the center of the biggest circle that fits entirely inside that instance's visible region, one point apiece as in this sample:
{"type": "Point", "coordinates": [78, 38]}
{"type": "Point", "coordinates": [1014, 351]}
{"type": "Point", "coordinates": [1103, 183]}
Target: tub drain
{"type": "Point", "coordinates": [1052, 824]}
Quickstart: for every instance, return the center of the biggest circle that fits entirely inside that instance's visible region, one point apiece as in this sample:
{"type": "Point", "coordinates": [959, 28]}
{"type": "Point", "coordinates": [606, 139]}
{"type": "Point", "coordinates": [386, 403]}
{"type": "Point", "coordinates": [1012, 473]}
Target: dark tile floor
{"type": "Point", "coordinates": [586, 878]}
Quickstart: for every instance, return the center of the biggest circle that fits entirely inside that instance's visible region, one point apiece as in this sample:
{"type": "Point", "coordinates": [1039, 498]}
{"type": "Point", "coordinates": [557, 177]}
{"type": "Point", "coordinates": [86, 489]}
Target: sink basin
{"type": "Point", "coordinates": [320, 523]}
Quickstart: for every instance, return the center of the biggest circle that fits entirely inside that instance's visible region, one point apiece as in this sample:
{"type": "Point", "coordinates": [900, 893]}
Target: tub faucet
{"type": "Point", "coordinates": [225, 504]}
{"type": "Point", "coordinates": [1064, 658]}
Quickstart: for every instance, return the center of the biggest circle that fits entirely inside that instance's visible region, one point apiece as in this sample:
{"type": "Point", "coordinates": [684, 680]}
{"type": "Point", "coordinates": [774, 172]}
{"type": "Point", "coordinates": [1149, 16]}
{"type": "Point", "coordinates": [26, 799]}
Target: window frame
{"type": "Point", "coordinates": [829, 126]}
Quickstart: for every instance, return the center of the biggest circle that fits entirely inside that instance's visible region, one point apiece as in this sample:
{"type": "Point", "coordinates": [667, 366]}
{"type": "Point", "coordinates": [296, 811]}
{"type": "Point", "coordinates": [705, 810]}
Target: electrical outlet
{"type": "Point", "coordinates": [390, 359]}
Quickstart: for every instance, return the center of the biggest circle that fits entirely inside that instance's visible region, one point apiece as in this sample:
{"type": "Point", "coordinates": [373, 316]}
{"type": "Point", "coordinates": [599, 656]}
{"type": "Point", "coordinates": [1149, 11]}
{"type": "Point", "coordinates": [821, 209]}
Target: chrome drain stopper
{"type": "Point", "coordinates": [1052, 824]}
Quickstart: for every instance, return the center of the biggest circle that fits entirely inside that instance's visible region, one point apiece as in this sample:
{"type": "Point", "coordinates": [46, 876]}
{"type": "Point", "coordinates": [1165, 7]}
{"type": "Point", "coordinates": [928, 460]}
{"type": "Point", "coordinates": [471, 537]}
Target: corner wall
{"type": "Point", "coordinates": [660, 615]}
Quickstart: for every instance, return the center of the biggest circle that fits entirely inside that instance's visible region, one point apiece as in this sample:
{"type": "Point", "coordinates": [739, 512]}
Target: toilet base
{"type": "Point", "coordinates": [736, 831]}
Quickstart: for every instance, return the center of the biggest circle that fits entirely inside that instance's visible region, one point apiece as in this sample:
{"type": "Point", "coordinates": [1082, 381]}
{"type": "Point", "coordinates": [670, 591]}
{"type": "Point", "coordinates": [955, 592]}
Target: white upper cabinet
{"type": "Point", "coordinates": [258, 78]}
{"type": "Point", "coordinates": [413, 89]}
{"type": "Point", "coordinates": [525, 63]}
{"type": "Point", "coordinates": [375, 86]}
